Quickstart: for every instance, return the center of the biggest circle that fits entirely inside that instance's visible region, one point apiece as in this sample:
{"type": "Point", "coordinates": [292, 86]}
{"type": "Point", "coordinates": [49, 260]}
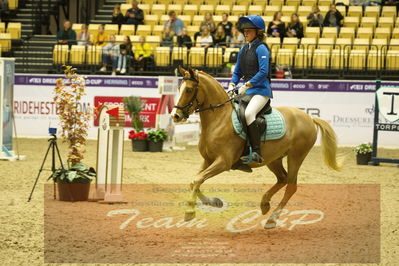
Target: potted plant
{"type": "Point", "coordinates": [363, 153]}
{"type": "Point", "coordinates": [73, 180]}
{"type": "Point", "coordinates": [139, 140]}
{"type": "Point", "coordinates": [134, 106]}
{"type": "Point", "coordinates": [156, 138]}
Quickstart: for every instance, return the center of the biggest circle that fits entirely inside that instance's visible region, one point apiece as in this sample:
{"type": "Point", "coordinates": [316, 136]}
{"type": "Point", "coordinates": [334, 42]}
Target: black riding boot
{"type": "Point", "coordinates": [254, 140]}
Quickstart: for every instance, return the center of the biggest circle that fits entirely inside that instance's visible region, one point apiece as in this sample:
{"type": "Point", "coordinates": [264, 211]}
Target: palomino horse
{"type": "Point", "coordinates": [221, 147]}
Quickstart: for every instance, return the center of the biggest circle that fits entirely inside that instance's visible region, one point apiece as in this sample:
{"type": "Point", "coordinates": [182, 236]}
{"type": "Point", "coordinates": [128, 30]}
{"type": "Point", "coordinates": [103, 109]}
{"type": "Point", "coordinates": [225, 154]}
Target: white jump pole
{"type": "Point", "coordinates": [110, 154]}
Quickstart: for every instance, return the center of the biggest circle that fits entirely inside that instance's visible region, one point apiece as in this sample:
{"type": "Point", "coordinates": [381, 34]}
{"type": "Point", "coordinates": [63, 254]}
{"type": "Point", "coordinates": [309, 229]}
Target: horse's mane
{"type": "Point", "coordinates": [212, 78]}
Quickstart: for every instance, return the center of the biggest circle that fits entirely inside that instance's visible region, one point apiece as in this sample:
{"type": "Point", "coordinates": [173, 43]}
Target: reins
{"type": "Point", "coordinates": [212, 107]}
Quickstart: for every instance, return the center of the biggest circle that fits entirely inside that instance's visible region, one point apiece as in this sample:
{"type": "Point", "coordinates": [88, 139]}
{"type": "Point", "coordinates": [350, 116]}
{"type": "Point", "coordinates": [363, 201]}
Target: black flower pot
{"type": "Point", "coordinates": [155, 146]}
{"type": "Point", "coordinates": [139, 145]}
{"type": "Point", "coordinates": [363, 159]}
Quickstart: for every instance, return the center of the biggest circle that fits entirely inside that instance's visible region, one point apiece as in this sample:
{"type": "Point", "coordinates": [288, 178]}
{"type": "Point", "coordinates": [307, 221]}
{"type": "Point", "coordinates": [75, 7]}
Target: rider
{"type": "Point", "coordinates": [253, 65]}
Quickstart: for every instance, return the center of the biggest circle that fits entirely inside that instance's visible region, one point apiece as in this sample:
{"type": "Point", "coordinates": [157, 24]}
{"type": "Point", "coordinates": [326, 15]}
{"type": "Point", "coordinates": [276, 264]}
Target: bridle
{"type": "Point", "coordinates": [185, 108]}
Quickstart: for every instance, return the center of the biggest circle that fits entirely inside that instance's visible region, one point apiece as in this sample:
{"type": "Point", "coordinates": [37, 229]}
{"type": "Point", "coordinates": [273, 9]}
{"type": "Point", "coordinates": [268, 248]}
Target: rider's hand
{"type": "Point", "coordinates": [243, 89]}
{"type": "Point", "coordinates": [231, 89]}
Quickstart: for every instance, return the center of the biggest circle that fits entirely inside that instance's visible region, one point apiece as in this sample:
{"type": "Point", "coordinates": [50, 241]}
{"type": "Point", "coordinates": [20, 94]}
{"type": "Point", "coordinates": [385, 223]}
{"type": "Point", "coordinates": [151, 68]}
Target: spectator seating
{"type": "Point", "coordinates": [365, 37]}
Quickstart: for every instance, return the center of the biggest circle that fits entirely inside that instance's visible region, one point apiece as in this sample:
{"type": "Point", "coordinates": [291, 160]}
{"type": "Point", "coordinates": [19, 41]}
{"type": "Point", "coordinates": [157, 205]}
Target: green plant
{"type": "Point", "coordinates": [157, 135]}
{"type": "Point", "coordinates": [134, 106]}
{"type": "Point", "coordinates": [79, 173]}
{"type": "Point", "coordinates": [363, 148]}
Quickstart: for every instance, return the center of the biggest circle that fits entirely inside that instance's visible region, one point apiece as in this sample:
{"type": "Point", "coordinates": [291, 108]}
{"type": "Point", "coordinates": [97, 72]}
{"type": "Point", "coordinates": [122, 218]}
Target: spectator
{"type": "Point", "coordinates": [67, 35]}
{"type": "Point", "coordinates": [174, 23]}
{"type": "Point", "coordinates": [3, 5]}
{"type": "Point", "coordinates": [365, 3]}
{"type": "Point", "coordinates": [184, 40]}
{"type": "Point", "coordinates": [135, 15]}
{"type": "Point", "coordinates": [392, 3]}
{"type": "Point", "coordinates": [84, 36]}
{"type": "Point", "coordinates": [199, 33]}
{"type": "Point", "coordinates": [167, 38]}
{"type": "Point", "coordinates": [295, 27]}
{"type": "Point", "coordinates": [125, 54]}
{"type": "Point", "coordinates": [276, 28]}
{"type": "Point", "coordinates": [205, 40]}
{"type": "Point", "coordinates": [117, 16]}
{"type": "Point", "coordinates": [237, 38]}
{"type": "Point", "coordinates": [143, 54]}
{"type": "Point", "coordinates": [100, 38]}
{"type": "Point", "coordinates": [333, 18]}
{"type": "Point", "coordinates": [110, 55]}
{"type": "Point", "coordinates": [227, 25]}
{"type": "Point", "coordinates": [208, 21]}
{"type": "Point", "coordinates": [220, 39]}
{"type": "Point", "coordinates": [315, 19]}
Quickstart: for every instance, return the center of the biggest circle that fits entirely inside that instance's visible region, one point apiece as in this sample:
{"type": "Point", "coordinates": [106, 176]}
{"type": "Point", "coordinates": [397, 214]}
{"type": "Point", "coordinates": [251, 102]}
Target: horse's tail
{"type": "Point", "coordinates": [328, 143]}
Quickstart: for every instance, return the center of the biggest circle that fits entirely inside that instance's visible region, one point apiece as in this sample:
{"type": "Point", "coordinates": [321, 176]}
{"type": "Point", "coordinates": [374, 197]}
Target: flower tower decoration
{"type": "Point", "coordinates": [74, 122]}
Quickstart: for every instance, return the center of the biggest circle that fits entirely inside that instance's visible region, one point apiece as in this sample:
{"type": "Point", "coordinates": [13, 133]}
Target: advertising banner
{"type": "Point", "coordinates": [147, 115]}
{"type": "Point", "coordinates": [6, 95]}
{"type": "Point", "coordinates": [7, 81]}
{"type": "Point", "coordinates": [347, 105]}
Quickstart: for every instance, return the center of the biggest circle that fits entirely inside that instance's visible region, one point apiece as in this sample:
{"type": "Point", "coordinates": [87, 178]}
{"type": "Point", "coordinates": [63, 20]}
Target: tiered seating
{"type": "Point", "coordinates": [12, 4]}
{"type": "Point", "coordinates": [7, 34]}
{"type": "Point", "coordinates": [364, 38]}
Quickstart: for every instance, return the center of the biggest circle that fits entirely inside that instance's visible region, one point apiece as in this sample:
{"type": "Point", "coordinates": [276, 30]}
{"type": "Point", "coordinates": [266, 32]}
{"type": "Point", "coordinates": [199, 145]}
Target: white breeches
{"type": "Point", "coordinates": [254, 106]}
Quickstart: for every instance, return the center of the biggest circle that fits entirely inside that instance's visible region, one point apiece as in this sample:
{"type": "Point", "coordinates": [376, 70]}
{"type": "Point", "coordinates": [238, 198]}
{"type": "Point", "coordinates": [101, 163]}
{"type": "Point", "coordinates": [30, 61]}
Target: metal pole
{"type": "Point", "coordinates": [375, 132]}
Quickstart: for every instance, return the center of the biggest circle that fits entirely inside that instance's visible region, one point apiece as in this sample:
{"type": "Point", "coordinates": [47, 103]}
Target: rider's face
{"type": "Point", "coordinates": [249, 34]}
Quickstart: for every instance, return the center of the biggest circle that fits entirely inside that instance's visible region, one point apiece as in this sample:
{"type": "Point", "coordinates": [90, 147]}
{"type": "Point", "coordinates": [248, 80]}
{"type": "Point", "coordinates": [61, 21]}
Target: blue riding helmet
{"type": "Point", "coordinates": [252, 22]}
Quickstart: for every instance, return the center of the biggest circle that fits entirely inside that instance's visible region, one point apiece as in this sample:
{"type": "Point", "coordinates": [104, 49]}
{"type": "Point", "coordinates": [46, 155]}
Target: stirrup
{"type": "Point", "coordinates": [252, 157]}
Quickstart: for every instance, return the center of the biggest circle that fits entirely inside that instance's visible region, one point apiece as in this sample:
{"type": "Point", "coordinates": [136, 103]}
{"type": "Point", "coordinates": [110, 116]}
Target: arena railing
{"type": "Point", "coordinates": [163, 59]}
{"type": "Point", "coordinates": [308, 61]}
{"type": "Point", "coordinates": [338, 61]}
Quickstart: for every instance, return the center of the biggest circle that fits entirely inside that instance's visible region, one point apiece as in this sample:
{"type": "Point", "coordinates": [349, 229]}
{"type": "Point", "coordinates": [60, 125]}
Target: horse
{"type": "Point", "coordinates": [221, 147]}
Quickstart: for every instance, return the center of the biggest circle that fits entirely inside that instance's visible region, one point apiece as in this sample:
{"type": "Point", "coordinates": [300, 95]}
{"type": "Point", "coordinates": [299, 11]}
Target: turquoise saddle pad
{"type": "Point", "coordinates": [275, 122]}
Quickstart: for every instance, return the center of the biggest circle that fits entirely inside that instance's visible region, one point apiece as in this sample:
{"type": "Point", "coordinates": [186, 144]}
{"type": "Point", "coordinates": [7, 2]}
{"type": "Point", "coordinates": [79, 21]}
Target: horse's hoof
{"type": "Point", "coordinates": [270, 224]}
{"type": "Point", "coordinates": [216, 202]}
{"type": "Point", "coordinates": [189, 215]}
{"type": "Point", "coordinates": [265, 207]}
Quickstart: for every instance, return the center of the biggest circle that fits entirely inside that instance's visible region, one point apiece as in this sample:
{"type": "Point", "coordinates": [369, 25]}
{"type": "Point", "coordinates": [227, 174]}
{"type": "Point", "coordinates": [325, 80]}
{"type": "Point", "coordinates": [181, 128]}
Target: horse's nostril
{"type": "Point", "coordinates": [176, 116]}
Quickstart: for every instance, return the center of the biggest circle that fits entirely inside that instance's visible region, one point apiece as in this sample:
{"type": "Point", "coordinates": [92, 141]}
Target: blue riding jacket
{"type": "Point", "coordinates": [253, 65]}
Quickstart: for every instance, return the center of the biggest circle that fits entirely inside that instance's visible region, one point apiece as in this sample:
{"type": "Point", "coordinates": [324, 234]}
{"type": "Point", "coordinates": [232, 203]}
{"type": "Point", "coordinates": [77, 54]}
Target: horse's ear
{"type": "Point", "coordinates": [191, 71]}
{"type": "Point", "coordinates": [182, 71]}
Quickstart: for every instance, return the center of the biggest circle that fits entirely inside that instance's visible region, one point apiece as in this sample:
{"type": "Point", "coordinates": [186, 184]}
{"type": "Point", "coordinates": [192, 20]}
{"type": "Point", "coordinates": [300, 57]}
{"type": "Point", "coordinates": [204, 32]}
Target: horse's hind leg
{"type": "Point", "coordinates": [278, 169]}
{"type": "Point", "coordinates": [295, 159]}
{"type": "Point", "coordinates": [218, 166]}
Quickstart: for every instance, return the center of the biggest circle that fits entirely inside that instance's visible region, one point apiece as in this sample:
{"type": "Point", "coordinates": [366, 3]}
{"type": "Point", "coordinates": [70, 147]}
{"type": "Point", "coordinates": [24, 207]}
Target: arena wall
{"type": "Point", "coordinates": [347, 105]}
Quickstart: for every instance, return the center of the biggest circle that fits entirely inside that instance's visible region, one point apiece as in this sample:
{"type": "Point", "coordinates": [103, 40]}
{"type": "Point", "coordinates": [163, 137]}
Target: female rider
{"type": "Point", "coordinates": [253, 66]}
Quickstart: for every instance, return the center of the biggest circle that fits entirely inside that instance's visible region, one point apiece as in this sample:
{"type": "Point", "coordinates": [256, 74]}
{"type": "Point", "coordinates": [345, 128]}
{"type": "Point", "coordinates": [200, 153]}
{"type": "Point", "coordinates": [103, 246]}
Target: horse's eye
{"type": "Point", "coordinates": [189, 90]}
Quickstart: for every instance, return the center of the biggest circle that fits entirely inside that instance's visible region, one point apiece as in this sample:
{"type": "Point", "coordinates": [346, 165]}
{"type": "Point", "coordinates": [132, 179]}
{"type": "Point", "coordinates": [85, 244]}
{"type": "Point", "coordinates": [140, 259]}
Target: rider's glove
{"type": "Point", "coordinates": [244, 88]}
{"type": "Point", "coordinates": [231, 89]}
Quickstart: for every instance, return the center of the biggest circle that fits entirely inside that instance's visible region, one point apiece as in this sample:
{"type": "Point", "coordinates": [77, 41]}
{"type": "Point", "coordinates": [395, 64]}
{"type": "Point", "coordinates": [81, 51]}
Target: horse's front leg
{"type": "Point", "coordinates": [218, 166]}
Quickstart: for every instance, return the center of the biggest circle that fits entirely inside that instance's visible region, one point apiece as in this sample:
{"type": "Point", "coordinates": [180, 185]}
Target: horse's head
{"type": "Point", "coordinates": [188, 99]}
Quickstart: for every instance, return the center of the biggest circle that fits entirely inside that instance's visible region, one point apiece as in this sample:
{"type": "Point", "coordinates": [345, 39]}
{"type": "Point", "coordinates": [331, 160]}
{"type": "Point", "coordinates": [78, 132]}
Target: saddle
{"type": "Point", "coordinates": [243, 101]}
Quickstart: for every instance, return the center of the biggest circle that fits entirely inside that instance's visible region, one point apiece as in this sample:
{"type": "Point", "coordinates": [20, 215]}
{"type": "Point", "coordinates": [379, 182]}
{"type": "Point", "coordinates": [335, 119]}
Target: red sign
{"type": "Point", "coordinates": [148, 115]}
